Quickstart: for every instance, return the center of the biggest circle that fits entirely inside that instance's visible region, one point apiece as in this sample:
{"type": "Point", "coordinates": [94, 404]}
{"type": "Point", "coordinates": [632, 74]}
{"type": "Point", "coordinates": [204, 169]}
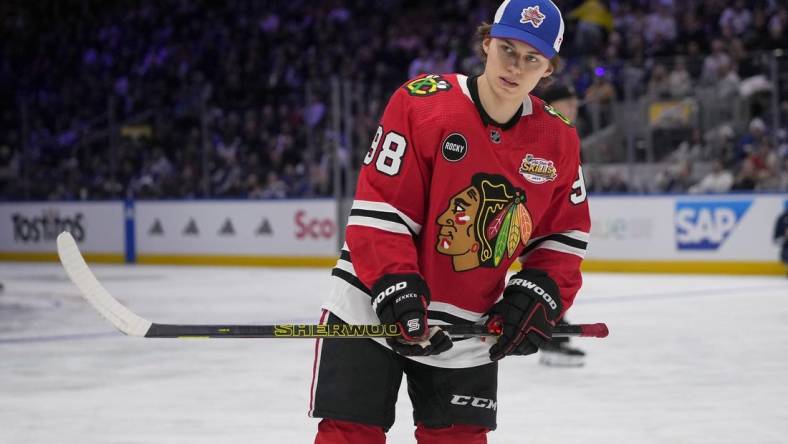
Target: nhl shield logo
{"type": "Point", "coordinates": [495, 136]}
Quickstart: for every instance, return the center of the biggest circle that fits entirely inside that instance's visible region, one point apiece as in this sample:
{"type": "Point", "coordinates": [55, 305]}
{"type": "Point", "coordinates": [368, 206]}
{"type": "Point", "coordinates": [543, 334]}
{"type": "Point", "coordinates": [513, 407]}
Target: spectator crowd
{"type": "Point", "coordinates": [191, 99]}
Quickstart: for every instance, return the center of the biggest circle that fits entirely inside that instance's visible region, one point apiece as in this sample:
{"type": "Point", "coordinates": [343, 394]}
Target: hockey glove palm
{"type": "Point", "coordinates": [402, 299]}
{"type": "Point", "coordinates": [530, 306]}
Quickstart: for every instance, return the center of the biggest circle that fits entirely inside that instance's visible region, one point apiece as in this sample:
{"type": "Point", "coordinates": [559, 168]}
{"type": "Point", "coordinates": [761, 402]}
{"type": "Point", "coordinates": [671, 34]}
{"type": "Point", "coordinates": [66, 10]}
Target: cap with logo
{"type": "Point", "coordinates": [536, 22]}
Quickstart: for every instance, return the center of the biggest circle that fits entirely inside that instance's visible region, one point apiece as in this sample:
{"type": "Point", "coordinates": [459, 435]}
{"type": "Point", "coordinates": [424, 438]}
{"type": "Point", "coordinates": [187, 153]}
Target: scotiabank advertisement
{"type": "Point", "coordinates": [254, 228]}
{"type": "Point", "coordinates": [33, 227]}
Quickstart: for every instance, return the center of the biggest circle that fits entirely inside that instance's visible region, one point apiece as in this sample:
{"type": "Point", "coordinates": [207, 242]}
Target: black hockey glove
{"type": "Point", "coordinates": [527, 313]}
{"type": "Point", "coordinates": [402, 299]}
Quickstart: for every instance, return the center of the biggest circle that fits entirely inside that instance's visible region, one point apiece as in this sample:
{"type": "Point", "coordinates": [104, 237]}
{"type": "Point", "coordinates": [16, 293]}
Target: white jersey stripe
{"type": "Point", "coordinates": [463, 81]}
{"type": "Point", "coordinates": [346, 266]}
{"type": "Point", "coordinates": [581, 236]}
{"type": "Point", "coordinates": [455, 311]}
{"type": "Point", "coordinates": [556, 246]}
{"type": "Point", "coordinates": [384, 225]}
{"type": "Point", "coordinates": [384, 207]}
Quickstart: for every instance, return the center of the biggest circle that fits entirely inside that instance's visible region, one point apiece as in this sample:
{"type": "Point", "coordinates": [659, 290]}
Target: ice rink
{"type": "Point", "coordinates": [690, 359]}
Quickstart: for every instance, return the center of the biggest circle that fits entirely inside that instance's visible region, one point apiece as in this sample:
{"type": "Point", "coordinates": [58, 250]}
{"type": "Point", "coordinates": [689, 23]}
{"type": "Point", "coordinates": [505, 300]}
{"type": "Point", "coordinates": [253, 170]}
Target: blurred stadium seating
{"type": "Point", "coordinates": [276, 99]}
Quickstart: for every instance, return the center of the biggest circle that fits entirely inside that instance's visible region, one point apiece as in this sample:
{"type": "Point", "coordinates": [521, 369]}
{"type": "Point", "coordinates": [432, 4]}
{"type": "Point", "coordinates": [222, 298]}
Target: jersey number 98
{"type": "Point", "coordinates": [391, 151]}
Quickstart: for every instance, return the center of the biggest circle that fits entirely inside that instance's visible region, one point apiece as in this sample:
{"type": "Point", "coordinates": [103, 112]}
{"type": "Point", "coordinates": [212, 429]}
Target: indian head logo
{"type": "Point", "coordinates": [532, 15]}
{"type": "Point", "coordinates": [484, 223]}
{"type": "Point", "coordinates": [536, 170]}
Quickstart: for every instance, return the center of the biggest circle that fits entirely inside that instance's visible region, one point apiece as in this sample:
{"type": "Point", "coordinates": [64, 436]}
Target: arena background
{"type": "Point", "coordinates": [204, 133]}
{"type": "Point", "coordinates": [165, 133]}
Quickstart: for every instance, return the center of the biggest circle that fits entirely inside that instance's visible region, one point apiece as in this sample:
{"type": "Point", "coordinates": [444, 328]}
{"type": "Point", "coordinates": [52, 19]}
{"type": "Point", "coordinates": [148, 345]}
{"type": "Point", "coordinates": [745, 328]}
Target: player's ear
{"type": "Point", "coordinates": [486, 45]}
{"type": "Point", "coordinates": [549, 71]}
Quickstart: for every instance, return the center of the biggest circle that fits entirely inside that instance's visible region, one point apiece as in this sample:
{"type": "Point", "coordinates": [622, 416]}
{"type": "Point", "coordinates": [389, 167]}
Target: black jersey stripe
{"type": "Point", "coordinates": [382, 215]}
{"type": "Point", "coordinates": [350, 279]}
{"type": "Point", "coordinates": [345, 256]}
{"type": "Point", "coordinates": [562, 238]}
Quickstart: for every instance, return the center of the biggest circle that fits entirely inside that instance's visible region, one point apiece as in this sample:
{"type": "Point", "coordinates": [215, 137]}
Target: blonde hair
{"type": "Point", "coordinates": [483, 32]}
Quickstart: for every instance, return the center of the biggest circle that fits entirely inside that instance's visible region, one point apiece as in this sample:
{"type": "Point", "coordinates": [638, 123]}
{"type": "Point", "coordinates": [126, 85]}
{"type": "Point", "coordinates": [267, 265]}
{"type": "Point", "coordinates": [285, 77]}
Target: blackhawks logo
{"type": "Point", "coordinates": [427, 86]}
{"type": "Point", "coordinates": [484, 223]}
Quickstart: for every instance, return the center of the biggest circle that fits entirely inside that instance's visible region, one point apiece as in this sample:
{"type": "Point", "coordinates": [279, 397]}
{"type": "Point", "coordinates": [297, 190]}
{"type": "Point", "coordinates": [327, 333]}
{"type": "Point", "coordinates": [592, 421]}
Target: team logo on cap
{"type": "Point", "coordinates": [427, 85]}
{"type": "Point", "coordinates": [536, 170]}
{"type": "Point", "coordinates": [532, 15]}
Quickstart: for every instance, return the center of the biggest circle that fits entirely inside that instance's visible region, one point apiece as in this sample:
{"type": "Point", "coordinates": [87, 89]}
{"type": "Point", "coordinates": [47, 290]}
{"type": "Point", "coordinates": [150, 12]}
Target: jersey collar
{"type": "Point", "coordinates": [471, 90]}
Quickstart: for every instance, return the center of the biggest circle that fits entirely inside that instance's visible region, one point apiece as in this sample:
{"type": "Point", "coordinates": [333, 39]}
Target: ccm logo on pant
{"type": "Point", "coordinates": [482, 403]}
{"type": "Point", "coordinates": [536, 289]}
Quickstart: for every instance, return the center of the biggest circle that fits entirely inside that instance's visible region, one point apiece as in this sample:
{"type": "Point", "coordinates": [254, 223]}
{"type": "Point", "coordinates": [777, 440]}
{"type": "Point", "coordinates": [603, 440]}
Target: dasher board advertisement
{"type": "Point", "coordinates": [729, 227]}
{"type": "Point", "coordinates": [251, 228]}
{"type": "Point", "coordinates": [32, 227]}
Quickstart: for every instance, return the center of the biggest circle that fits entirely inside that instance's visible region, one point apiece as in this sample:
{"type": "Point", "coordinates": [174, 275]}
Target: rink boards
{"type": "Point", "coordinates": [706, 234]}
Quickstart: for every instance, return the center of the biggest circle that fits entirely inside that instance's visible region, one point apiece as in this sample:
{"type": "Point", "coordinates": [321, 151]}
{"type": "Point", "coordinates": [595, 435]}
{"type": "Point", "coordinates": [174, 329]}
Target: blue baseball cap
{"type": "Point", "coordinates": [536, 22]}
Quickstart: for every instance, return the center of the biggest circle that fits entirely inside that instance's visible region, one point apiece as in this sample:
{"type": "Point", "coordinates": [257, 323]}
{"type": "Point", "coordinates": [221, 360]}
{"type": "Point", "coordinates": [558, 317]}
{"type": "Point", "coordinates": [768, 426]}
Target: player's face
{"type": "Point", "coordinates": [457, 223]}
{"type": "Point", "coordinates": [514, 67]}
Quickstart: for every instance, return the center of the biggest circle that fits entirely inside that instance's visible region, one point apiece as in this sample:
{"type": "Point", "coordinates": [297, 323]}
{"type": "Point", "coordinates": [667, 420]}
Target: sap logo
{"type": "Point", "coordinates": [482, 403]}
{"type": "Point", "coordinates": [706, 225]}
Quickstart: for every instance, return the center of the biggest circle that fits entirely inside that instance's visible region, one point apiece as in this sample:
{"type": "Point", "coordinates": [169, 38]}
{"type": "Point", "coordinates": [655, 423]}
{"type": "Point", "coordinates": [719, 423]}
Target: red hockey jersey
{"type": "Point", "coordinates": [448, 193]}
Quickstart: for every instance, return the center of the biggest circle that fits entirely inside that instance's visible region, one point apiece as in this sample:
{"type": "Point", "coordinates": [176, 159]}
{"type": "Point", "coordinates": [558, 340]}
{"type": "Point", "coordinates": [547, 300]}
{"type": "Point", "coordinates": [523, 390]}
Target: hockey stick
{"type": "Point", "coordinates": [132, 324]}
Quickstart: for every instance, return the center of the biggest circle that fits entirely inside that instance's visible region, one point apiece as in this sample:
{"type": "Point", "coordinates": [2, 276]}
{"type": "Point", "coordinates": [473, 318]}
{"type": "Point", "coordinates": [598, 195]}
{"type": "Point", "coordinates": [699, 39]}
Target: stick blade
{"type": "Point", "coordinates": [91, 289]}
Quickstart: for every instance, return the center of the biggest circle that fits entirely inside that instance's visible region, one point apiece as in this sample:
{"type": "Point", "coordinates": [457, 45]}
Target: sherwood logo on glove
{"type": "Point", "coordinates": [387, 292]}
{"type": "Point", "coordinates": [536, 289]}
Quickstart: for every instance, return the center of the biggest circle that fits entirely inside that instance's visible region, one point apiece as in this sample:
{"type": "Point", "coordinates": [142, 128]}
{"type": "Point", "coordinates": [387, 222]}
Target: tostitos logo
{"type": "Point", "coordinates": [536, 170]}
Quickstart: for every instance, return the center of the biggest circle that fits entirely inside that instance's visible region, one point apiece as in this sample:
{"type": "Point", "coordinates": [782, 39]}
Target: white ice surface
{"type": "Point", "coordinates": [690, 359]}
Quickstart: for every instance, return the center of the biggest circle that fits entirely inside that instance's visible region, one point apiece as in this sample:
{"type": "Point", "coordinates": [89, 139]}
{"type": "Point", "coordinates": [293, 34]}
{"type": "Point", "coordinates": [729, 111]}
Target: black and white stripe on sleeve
{"type": "Point", "coordinates": [570, 242]}
{"type": "Point", "coordinates": [345, 271]}
{"type": "Point", "coordinates": [382, 216]}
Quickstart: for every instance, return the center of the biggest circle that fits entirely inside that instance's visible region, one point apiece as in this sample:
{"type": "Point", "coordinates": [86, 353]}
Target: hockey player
{"type": "Point", "coordinates": [781, 237]}
{"type": "Point", "coordinates": [464, 176]}
{"type": "Point", "coordinates": [558, 352]}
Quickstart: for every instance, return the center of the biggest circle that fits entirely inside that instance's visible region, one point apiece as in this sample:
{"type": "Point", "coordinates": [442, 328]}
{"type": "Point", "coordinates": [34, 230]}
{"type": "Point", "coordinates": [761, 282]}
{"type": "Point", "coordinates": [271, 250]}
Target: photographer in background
{"type": "Point", "coordinates": [558, 352]}
{"type": "Point", "coordinates": [781, 237]}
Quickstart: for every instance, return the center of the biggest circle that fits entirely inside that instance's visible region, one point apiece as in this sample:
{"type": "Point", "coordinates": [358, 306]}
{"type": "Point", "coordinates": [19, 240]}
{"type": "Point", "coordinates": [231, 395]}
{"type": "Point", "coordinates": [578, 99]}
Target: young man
{"type": "Point", "coordinates": [463, 177]}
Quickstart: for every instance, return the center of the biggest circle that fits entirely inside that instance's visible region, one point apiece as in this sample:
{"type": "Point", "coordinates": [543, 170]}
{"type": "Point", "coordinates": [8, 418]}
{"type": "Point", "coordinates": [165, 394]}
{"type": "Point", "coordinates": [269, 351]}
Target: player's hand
{"type": "Point", "coordinates": [527, 313]}
{"type": "Point", "coordinates": [437, 341]}
{"type": "Point", "coordinates": [402, 299]}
